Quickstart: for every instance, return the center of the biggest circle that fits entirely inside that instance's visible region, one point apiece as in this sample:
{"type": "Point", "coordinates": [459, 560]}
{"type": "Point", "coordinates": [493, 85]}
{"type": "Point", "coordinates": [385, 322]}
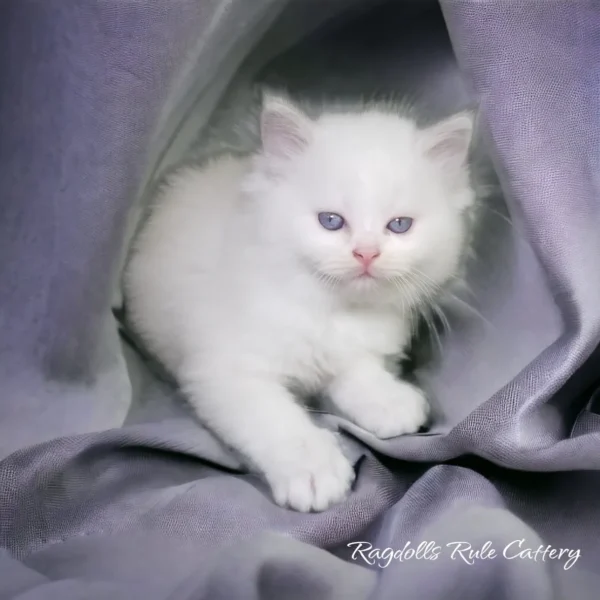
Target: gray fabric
{"type": "Point", "coordinates": [108, 489]}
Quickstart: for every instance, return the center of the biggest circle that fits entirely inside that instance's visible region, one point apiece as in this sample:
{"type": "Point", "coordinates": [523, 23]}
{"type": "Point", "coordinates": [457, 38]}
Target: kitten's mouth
{"type": "Point", "coordinates": [366, 272]}
{"type": "Point", "coordinates": [365, 280]}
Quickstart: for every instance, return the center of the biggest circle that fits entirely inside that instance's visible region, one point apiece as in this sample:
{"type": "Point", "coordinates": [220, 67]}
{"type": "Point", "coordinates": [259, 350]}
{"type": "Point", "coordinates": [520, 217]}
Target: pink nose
{"type": "Point", "coordinates": [366, 255]}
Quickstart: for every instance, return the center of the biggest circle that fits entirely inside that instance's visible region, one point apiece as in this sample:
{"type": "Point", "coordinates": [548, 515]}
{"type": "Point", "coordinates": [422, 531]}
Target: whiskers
{"type": "Point", "coordinates": [330, 282]}
{"type": "Point", "coordinates": [423, 301]}
{"type": "Point", "coordinates": [463, 304]}
{"type": "Point", "coordinates": [342, 277]}
{"type": "Point", "coordinates": [427, 302]}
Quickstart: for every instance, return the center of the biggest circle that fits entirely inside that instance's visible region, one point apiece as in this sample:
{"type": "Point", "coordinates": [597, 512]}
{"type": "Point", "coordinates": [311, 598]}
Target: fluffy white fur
{"type": "Point", "coordinates": [244, 296]}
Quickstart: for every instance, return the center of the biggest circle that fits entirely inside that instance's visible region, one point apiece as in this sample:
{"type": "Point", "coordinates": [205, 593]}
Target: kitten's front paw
{"type": "Point", "coordinates": [387, 409]}
{"type": "Point", "coordinates": [310, 473]}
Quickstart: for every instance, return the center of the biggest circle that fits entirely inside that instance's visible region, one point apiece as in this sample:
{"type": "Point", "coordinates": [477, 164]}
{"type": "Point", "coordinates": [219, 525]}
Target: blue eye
{"type": "Point", "coordinates": [400, 224]}
{"type": "Point", "coordinates": [331, 221]}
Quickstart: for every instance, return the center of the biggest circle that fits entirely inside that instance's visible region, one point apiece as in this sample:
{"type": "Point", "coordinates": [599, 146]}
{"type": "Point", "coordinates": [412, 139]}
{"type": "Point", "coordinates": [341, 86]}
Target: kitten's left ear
{"type": "Point", "coordinates": [285, 130]}
{"type": "Point", "coordinates": [448, 141]}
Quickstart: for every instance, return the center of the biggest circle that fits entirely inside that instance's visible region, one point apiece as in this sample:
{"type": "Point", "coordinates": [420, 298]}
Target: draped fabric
{"type": "Point", "coordinates": [108, 487]}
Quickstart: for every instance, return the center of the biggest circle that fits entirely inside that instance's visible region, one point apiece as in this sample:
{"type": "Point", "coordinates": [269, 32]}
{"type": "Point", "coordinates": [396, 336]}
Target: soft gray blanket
{"type": "Point", "coordinates": [108, 489]}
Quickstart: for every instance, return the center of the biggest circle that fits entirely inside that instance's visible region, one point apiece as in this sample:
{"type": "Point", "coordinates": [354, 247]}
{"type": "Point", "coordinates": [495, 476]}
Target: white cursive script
{"type": "Point", "coordinates": [518, 549]}
{"type": "Point", "coordinates": [382, 557]}
{"type": "Point", "coordinates": [463, 551]}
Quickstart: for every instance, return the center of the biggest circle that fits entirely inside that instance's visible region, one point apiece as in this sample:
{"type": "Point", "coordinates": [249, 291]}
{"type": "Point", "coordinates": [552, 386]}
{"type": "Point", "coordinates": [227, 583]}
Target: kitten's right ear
{"type": "Point", "coordinates": [285, 130]}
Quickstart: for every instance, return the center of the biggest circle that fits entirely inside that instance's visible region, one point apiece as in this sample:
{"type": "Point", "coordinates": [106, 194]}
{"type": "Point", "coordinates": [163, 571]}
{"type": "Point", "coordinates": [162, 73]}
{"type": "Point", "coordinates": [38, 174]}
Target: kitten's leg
{"type": "Point", "coordinates": [302, 463]}
{"type": "Point", "coordinates": [377, 401]}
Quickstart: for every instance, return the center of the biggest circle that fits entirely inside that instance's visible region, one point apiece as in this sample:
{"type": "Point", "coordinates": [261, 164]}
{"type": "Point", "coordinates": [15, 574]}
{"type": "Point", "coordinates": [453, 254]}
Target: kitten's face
{"type": "Point", "coordinates": [372, 205]}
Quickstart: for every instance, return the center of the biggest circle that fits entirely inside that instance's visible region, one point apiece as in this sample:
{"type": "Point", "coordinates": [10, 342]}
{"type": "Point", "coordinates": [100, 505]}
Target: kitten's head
{"type": "Point", "coordinates": [372, 204]}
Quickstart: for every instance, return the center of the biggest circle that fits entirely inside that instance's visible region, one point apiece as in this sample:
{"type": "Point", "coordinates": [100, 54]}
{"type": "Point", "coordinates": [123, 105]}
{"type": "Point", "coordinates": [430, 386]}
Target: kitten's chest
{"type": "Point", "coordinates": [334, 341]}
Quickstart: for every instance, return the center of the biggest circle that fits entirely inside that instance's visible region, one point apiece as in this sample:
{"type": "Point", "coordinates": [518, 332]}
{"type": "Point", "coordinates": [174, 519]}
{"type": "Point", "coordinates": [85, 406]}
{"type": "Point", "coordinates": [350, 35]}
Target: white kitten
{"type": "Point", "coordinates": [300, 268]}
